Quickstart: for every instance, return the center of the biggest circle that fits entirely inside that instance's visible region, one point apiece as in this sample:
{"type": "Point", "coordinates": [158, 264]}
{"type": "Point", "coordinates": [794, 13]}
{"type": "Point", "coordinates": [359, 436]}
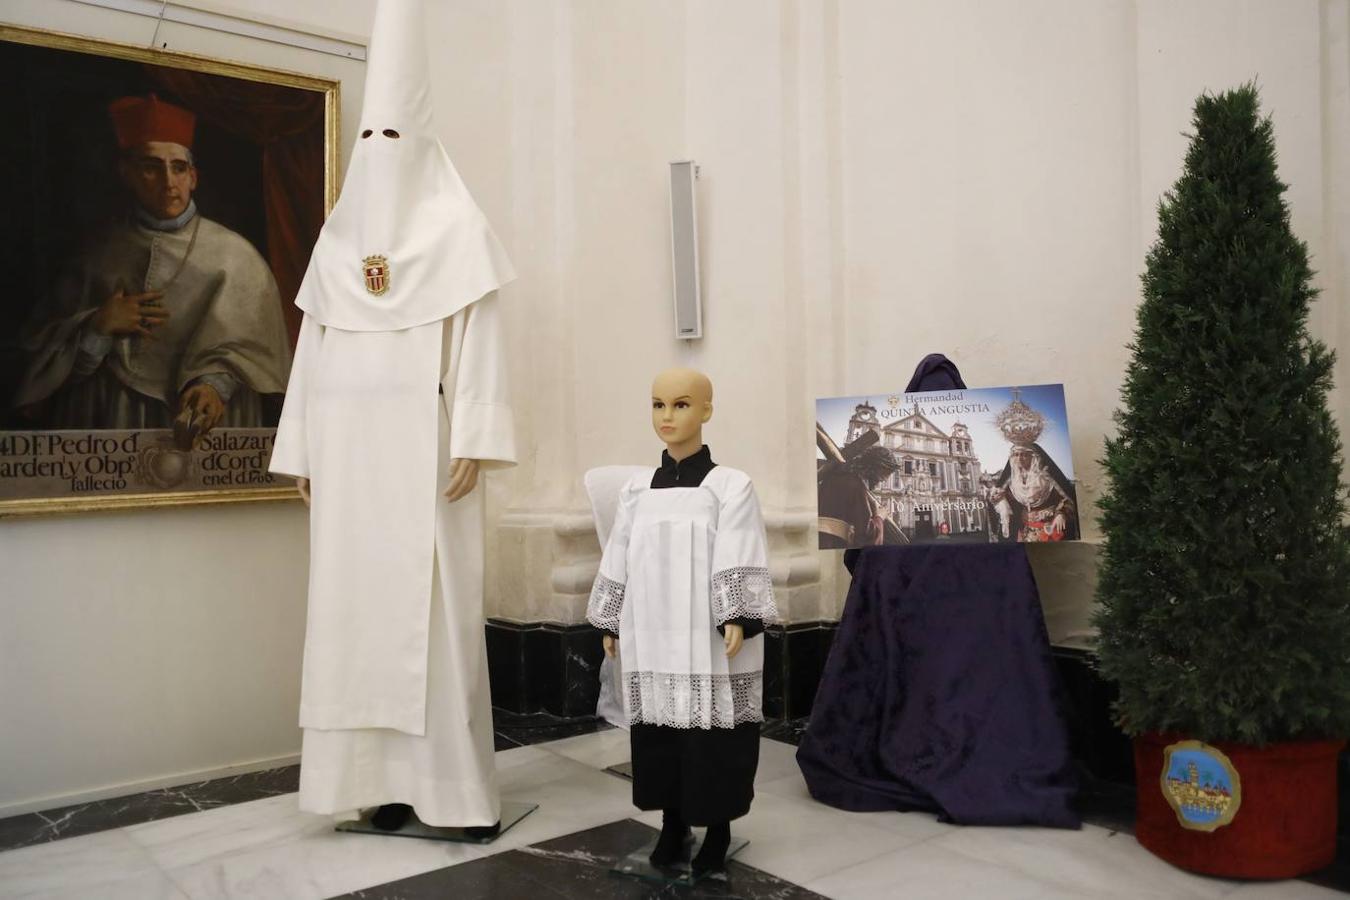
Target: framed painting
{"type": "Point", "coordinates": [161, 210]}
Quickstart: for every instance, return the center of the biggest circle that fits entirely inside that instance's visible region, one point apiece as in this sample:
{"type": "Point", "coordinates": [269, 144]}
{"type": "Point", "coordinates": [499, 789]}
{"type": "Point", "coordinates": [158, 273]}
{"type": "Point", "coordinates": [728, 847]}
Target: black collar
{"type": "Point", "coordinates": [688, 472]}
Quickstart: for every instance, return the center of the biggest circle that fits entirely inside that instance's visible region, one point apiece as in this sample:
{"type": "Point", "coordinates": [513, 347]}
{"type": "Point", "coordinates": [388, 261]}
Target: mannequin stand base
{"type": "Point", "coordinates": [511, 814]}
{"type": "Point", "coordinates": [636, 864]}
{"type": "Point", "coordinates": [623, 770]}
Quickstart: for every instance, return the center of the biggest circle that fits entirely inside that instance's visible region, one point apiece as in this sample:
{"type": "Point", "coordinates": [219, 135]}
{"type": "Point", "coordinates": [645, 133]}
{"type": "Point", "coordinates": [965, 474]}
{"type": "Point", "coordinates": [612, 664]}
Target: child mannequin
{"type": "Point", "coordinates": [682, 595]}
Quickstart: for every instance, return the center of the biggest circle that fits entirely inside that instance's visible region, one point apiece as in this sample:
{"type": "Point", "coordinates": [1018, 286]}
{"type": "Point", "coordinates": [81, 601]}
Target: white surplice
{"type": "Point", "coordinates": [680, 562]}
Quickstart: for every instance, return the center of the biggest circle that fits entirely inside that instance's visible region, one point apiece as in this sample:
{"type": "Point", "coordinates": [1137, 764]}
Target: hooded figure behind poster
{"type": "Point", "coordinates": [940, 692]}
{"type": "Point", "coordinates": [398, 299]}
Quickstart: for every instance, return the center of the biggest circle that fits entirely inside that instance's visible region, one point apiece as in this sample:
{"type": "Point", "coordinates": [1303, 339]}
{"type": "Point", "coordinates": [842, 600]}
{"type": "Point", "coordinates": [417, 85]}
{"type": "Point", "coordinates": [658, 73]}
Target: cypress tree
{"type": "Point", "coordinates": [1224, 586]}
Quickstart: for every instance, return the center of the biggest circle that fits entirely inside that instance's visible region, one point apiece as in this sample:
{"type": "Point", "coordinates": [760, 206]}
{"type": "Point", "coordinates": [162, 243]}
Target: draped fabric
{"type": "Point", "coordinates": [286, 124]}
{"type": "Point", "coordinates": [940, 693]}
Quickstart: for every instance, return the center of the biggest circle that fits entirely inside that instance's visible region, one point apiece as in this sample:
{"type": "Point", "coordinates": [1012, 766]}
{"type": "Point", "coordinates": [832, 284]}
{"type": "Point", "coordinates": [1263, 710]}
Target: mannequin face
{"type": "Point", "coordinates": [681, 403]}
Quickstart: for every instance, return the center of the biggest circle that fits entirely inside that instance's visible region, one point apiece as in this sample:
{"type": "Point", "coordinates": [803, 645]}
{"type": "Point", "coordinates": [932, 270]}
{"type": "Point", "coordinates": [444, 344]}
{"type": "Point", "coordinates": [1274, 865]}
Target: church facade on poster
{"type": "Point", "coordinates": [938, 487]}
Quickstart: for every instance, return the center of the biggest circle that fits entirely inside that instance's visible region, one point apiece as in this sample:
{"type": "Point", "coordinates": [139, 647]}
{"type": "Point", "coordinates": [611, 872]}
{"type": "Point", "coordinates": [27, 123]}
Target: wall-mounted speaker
{"type": "Point", "coordinates": [684, 250]}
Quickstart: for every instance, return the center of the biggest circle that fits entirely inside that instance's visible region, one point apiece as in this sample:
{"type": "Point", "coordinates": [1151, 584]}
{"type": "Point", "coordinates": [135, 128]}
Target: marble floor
{"type": "Point", "coordinates": [253, 842]}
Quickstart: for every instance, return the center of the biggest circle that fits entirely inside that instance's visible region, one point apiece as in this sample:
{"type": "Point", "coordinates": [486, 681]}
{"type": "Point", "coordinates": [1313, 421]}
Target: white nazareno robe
{"type": "Point", "coordinates": [394, 702]}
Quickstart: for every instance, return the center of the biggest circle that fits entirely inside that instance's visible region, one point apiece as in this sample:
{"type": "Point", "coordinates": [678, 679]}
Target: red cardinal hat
{"type": "Point", "coordinates": [138, 120]}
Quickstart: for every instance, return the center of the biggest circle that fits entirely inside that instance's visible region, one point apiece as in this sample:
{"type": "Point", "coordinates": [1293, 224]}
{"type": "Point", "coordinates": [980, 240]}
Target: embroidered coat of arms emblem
{"type": "Point", "coordinates": [376, 270]}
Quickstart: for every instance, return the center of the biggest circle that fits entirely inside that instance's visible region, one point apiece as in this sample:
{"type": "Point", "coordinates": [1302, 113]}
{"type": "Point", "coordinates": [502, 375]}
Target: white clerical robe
{"type": "Point", "coordinates": [679, 563]}
{"type": "Point", "coordinates": [394, 703]}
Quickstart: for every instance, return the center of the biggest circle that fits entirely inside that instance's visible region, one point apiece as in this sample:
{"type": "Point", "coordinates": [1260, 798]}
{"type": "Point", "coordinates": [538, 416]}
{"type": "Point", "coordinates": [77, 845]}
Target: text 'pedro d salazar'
{"type": "Point", "coordinates": [164, 312]}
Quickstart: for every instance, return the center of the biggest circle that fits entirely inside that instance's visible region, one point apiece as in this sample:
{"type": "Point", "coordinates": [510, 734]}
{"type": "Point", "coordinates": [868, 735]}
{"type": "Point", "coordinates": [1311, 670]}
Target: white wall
{"type": "Point", "coordinates": [881, 179]}
{"type": "Point", "coordinates": [138, 649]}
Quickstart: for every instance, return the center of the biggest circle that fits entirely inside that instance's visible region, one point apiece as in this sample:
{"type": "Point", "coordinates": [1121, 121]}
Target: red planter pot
{"type": "Point", "coordinates": [1284, 822]}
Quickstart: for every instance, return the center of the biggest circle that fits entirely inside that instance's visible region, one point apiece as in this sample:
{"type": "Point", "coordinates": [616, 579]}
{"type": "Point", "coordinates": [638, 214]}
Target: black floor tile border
{"type": "Point", "coordinates": [149, 806]}
{"type": "Point", "coordinates": [512, 730]}
{"type": "Point", "coordinates": [577, 865]}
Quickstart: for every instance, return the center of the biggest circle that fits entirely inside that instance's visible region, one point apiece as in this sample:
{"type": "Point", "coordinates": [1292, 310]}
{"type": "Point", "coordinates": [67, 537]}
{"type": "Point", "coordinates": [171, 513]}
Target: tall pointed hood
{"type": "Point", "coordinates": [398, 81]}
{"type": "Point", "coordinates": [405, 244]}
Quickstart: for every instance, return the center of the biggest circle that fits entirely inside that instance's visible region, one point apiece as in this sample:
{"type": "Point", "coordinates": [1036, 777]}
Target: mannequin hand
{"type": "Point", "coordinates": [463, 478]}
{"type": "Point", "coordinates": [733, 636]}
{"type": "Point", "coordinates": [302, 485]}
{"type": "Point", "coordinates": [611, 646]}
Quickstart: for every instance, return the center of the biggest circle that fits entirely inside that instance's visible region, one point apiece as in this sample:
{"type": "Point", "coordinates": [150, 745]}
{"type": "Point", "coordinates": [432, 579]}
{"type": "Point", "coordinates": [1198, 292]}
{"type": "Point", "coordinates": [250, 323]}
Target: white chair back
{"type": "Point", "coordinates": [603, 485]}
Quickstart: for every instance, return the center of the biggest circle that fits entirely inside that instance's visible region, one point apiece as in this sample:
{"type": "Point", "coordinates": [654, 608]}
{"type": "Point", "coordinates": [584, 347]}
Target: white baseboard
{"type": "Point", "coordinates": [57, 801]}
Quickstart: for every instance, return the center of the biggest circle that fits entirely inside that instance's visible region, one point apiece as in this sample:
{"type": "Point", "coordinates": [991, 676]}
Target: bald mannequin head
{"type": "Point", "coordinates": [681, 403]}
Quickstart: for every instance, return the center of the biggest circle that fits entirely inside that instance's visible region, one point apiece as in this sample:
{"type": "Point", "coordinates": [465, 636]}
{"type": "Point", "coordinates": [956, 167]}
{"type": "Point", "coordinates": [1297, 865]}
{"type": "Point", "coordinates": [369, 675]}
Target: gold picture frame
{"type": "Point", "coordinates": [148, 64]}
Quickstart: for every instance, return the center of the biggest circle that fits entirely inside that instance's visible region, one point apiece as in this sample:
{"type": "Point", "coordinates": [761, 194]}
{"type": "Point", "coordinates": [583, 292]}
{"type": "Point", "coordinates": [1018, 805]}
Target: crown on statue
{"type": "Point", "coordinates": [1020, 424]}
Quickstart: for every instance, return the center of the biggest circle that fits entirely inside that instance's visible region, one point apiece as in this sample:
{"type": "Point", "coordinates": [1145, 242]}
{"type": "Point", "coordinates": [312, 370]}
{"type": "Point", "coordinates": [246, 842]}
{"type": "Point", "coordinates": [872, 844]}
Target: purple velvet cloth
{"type": "Point", "coordinates": [940, 692]}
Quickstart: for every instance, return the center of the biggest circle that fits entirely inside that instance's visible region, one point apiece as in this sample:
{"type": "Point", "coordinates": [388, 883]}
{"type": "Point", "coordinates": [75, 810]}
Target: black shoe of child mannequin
{"type": "Point", "coordinates": [478, 832]}
{"type": "Point", "coordinates": [673, 835]}
{"type": "Point", "coordinates": [713, 854]}
{"type": "Point", "coordinates": [391, 816]}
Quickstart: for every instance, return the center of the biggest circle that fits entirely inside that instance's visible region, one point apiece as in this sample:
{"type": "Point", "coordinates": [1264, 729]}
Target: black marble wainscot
{"type": "Point", "coordinates": [794, 658]}
{"type": "Point", "coordinates": [578, 866]}
{"type": "Point", "coordinates": [544, 667]}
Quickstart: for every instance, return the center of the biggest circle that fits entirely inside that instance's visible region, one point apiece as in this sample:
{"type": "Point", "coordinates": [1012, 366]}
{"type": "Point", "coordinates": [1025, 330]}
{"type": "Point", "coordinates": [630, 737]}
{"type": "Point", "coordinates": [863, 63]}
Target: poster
{"type": "Point", "coordinates": [986, 465]}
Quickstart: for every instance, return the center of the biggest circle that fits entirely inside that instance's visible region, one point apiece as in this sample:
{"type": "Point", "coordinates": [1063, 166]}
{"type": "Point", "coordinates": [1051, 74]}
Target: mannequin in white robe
{"type": "Point", "coordinates": [397, 399]}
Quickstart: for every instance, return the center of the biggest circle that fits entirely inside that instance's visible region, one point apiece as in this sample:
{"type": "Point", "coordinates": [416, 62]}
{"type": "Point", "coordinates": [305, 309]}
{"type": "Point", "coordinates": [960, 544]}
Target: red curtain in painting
{"type": "Point", "coordinates": [287, 124]}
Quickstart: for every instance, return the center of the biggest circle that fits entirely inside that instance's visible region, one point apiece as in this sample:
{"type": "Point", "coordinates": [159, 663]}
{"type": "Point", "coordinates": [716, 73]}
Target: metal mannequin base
{"type": "Point", "coordinates": [511, 814]}
{"type": "Point", "coordinates": [636, 865]}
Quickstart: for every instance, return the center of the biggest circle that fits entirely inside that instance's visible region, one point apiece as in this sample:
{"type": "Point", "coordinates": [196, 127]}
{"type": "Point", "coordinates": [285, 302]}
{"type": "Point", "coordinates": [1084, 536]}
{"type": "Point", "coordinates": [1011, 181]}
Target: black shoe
{"type": "Point", "coordinates": [673, 835]}
{"type": "Point", "coordinates": [712, 856]}
{"type": "Point", "coordinates": [391, 816]}
{"type": "Point", "coordinates": [478, 832]}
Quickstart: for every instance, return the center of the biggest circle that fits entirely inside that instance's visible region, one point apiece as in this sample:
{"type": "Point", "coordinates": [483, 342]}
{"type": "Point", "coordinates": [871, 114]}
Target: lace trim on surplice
{"type": "Point", "coordinates": [743, 592]}
{"type": "Point", "coordinates": [694, 701]}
